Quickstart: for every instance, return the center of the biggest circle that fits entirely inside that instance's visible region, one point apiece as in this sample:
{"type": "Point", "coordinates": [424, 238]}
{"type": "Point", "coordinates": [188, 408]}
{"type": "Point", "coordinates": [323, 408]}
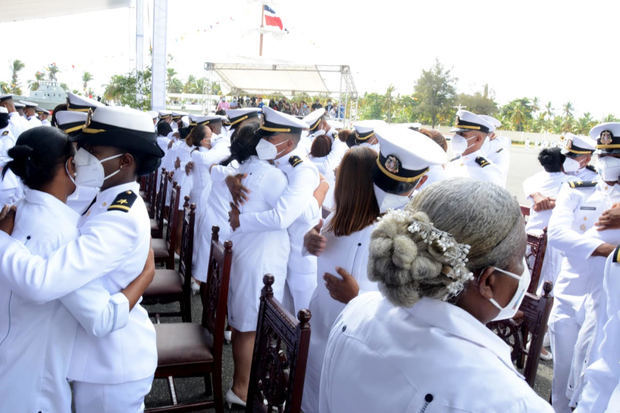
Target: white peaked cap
{"type": "Point", "coordinates": [313, 118]}
{"type": "Point", "coordinates": [492, 121]}
{"type": "Point", "coordinates": [403, 148]}
{"type": "Point", "coordinates": [578, 144]}
{"type": "Point", "coordinates": [239, 115]}
{"type": "Point", "coordinates": [469, 121]}
{"type": "Point", "coordinates": [81, 103]}
{"type": "Point", "coordinates": [275, 121]}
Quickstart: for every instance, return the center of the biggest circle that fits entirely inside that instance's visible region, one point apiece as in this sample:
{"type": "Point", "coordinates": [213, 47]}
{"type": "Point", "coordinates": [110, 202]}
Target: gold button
{"type": "Point", "coordinates": [582, 227]}
{"type": "Point", "coordinates": [105, 204]}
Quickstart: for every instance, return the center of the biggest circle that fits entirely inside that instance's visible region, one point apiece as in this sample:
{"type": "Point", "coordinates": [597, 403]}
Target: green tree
{"type": "Point", "coordinates": [371, 106]}
{"type": "Point", "coordinates": [584, 124]}
{"type": "Point", "coordinates": [132, 89]}
{"type": "Point", "coordinates": [86, 77]}
{"type": "Point", "coordinates": [16, 67]}
{"type": "Point", "coordinates": [610, 118]}
{"type": "Point", "coordinates": [388, 103]}
{"type": "Point", "coordinates": [567, 110]}
{"type": "Point", "coordinates": [52, 71]}
{"type": "Point", "coordinates": [435, 91]}
{"type": "Point", "coordinates": [518, 114]}
{"type": "Point", "coordinates": [4, 87]}
{"type": "Point", "coordinates": [34, 84]}
{"type": "Point", "coordinates": [477, 103]}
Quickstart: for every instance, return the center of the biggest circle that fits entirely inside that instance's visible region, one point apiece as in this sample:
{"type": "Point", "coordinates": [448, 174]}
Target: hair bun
{"type": "Point", "coordinates": [19, 152]}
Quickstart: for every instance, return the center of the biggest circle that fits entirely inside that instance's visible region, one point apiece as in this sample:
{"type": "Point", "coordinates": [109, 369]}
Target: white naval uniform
{"type": "Point", "coordinates": [594, 309]}
{"type": "Point", "coordinates": [18, 124]}
{"type": "Point", "coordinates": [203, 159]}
{"type": "Point", "coordinates": [34, 121]}
{"type": "Point", "coordinates": [498, 152]}
{"type": "Point", "coordinates": [327, 165]}
{"type": "Point", "coordinates": [351, 253]}
{"type": "Point", "coordinates": [257, 253]}
{"type": "Point", "coordinates": [548, 184]}
{"type": "Point", "coordinates": [477, 167]}
{"type": "Point", "coordinates": [37, 338]}
{"type": "Point", "coordinates": [576, 211]}
{"type": "Point", "coordinates": [585, 174]}
{"type": "Point", "coordinates": [297, 210]}
{"type": "Point", "coordinates": [46, 122]}
{"type": "Point", "coordinates": [11, 186]}
{"type": "Point", "coordinates": [602, 377]}
{"type": "Point", "coordinates": [215, 214]}
{"type": "Point", "coordinates": [433, 357]}
{"type": "Point", "coordinates": [113, 244]}
{"type": "Point", "coordinates": [183, 153]}
{"type": "Point", "coordinates": [162, 142]}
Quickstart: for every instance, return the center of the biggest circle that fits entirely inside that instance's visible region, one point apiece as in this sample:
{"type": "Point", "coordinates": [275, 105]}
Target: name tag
{"type": "Point", "coordinates": [587, 208]}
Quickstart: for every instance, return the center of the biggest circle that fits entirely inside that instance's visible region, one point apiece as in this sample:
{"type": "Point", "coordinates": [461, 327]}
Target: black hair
{"type": "Point", "coordinates": [37, 154]}
{"type": "Point", "coordinates": [196, 136]}
{"type": "Point", "coordinates": [4, 120]}
{"type": "Point", "coordinates": [551, 159]}
{"type": "Point", "coordinates": [244, 143]}
{"type": "Point", "coordinates": [145, 163]}
{"type": "Point", "coordinates": [163, 128]}
{"type": "Point", "coordinates": [221, 112]}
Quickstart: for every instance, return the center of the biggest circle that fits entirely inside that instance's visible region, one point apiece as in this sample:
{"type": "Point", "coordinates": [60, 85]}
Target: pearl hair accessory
{"type": "Point", "coordinates": [445, 248]}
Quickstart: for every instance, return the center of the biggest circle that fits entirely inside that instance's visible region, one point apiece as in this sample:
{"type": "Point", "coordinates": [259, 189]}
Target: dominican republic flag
{"type": "Point", "coordinates": [271, 19]}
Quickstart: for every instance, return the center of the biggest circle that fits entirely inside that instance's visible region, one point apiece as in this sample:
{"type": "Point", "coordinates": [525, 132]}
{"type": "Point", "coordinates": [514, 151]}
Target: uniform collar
{"type": "Point", "coordinates": [283, 162]}
{"type": "Point", "coordinates": [43, 198]}
{"type": "Point", "coordinates": [460, 323]}
{"type": "Point", "coordinates": [111, 193]}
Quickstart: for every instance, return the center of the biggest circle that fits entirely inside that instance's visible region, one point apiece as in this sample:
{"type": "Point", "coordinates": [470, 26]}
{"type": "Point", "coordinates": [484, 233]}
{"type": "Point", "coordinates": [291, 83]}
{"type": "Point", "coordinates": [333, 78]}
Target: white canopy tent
{"type": "Point", "coordinates": [258, 76]}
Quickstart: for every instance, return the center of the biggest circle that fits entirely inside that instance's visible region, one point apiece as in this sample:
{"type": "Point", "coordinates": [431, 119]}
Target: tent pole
{"type": "Point", "coordinates": [262, 19]}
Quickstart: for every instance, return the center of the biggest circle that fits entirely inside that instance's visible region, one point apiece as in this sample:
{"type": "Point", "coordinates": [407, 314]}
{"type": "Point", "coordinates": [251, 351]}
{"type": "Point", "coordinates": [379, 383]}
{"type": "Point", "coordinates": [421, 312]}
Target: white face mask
{"type": "Point", "coordinates": [267, 151]}
{"type": "Point", "coordinates": [609, 168]}
{"type": "Point", "coordinates": [71, 177]}
{"type": "Point", "coordinates": [89, 170]}
{"type": "Point", "coordinates": [570, 165]}
{"type": "Point", "coordinates": [460, 144]}
{"type": "Point", "coordinates": [513, 306]}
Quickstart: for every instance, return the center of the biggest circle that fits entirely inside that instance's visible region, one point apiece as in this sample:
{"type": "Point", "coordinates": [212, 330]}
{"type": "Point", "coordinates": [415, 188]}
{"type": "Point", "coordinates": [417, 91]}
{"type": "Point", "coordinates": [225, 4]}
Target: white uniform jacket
{"type": "Point", "coordinates": [349, 252]}
{"type": "Point", "coordinates": [11, 187]}
{"type": "Point", "coordinates": [114, 242]}
{"type": "Point", "coordinates": [37, 338]}
{"type": "Point", "coordinates": [498, 152]}
{"type": "Point", "coordinates": [18, 124]}
{"type": "Point", "coordinates": [476, 166]}
{"type": "Point", "coordinates": [433, 357]}
{"type": "Point", "coordinates": [34, 121]}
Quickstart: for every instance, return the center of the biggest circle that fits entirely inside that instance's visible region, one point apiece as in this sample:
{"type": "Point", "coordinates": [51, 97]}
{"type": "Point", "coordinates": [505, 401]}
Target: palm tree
{"type": "Point", "coordinates": [568, 109]}
{"type": "Point", "coordinates": [548, 111]}
{"type": "Point", "coordinates": [34, 84]}
{"type": "Point", "coordinates": [584, 124]}
{"type": "Point", "coordinates": [86, 77]}
{"type": "Point", "coordinates": [16, 66]}
{"type": "Point", "coordinates": [52, 71]}
{"type": "Point", "coordinates": [610, 118]}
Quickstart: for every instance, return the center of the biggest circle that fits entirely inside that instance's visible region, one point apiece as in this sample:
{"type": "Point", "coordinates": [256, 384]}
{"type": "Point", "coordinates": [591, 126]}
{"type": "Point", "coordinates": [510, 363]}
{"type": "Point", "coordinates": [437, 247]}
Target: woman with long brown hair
{"type": "Point", "coordinates": [347, 233]}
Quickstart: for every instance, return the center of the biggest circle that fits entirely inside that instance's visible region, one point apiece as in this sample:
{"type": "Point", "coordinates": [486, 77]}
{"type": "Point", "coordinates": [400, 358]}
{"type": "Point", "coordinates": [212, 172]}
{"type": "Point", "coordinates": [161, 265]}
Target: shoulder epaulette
{"type": "Point", "coordinates": [616, 255]}
{"type": "Point", "coordinates": [6, 132]}
{"type": "Point", "coordinates": [335, 135]}
{"type": "Point", "coordinates": [591, 168]}
{"type": "Point", "coordinates": [123, 201]}
{"type": "Point", "coordinates": [582, 184]}
{"type": "Point", "coordinates": [455, 158]}
{"type": "Point", "coordinates": [499, 150]}
{"type": "Point", "coordinates": [482, 162]}
{"type": "Point", "coordinates": [295, 160]}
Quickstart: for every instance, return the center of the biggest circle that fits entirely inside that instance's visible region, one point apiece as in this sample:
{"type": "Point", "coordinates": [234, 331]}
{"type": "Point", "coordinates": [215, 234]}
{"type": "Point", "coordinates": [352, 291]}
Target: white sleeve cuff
{"type": "Point", "coordinates": [121, 310]}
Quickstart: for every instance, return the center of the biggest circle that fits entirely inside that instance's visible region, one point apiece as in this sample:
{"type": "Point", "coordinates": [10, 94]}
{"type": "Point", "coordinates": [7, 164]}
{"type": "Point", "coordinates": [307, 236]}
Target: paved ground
{"type": "Point", "coordinates": [523, 164]}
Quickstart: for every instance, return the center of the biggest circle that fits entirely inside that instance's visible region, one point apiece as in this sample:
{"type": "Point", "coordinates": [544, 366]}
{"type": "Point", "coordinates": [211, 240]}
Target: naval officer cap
{"type": "Point", "coordinates": [28, 104]}
{"type": "Point", "coordinates": [607, 137]}
{"type": "Point", "coordinates": [178, 115]}
{"type": "Point", "coordinates": [492, 121]}
{"type": "Point", "coordinates": [5, 97]}
{"type": "Point", "coordinates": [19, 105]}
{"type": "Point", "coordinates": [578, 145]}
{"type": "Point", "coordinates": [313, 119]}
{"type": "Point", "coordinates": [469, 121]}
{"type": "Point", "coordinates": [70, 122]}
{"type": "Point", "coordinates": [365, 129]}
{"type": "Point", "coordinates": [236, 116]}
{"type": "Point", "coordinates": [279, 122]}
{"type": "Point", "coordinates": [164, 113]}
{"type": "Point", "coordinates": [205, 119]}
{"type": "Point", "coordinates": [81, 103]}
{"type": "Point", "coordinates": [124, 128]}
{"type": "Point", "coordinates": [41, 110]}
{"type": "Point", "coordinates": [405, 156]}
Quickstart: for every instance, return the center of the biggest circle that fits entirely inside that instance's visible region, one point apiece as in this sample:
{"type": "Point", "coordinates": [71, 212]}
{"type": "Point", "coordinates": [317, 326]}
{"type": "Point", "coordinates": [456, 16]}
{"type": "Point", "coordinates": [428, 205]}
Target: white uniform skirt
{"type": "Point", "coordinates": [254, 255]}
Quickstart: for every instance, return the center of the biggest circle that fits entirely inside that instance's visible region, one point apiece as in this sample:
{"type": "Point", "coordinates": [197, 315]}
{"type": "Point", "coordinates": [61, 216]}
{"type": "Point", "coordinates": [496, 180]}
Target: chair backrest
{"type": "Point", "coordinates": [152, 189]}
{"type": "Point", "coordinates": [525, 211]}
{"type": "Point", "coordinates": [173, 216]}
{"type": "Point", "coordinates": [531, 320]}
{"type": "Point", "coordinates": [161, 198]}
{"type": "Point", "coordinates": [536, 312]}
{"type": "Point", "coordinates": [280, 355]}
{"type": "Point", "coordinates": [214, 293]}
{"type": "Point", "coordinates": [535, 255]}
{"type": "Point", "coordinates": [187, 244]}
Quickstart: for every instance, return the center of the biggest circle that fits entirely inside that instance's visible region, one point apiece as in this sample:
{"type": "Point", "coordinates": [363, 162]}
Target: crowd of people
{"type": "Point", "coordinates": [282, 104]}
{"type": "Point", "coordinates": [403, 248]}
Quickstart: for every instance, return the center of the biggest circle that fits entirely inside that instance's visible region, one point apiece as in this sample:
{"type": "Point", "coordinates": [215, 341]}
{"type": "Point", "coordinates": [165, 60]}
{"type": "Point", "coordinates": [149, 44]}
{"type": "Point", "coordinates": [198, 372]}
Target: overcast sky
{"type": "Point", "coordinates": [557, 50]}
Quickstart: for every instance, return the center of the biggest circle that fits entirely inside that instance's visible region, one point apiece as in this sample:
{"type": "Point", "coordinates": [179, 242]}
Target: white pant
{"type": "Point", "coordinates": [111, 398]}
{"type": "Point", "coordinates": [300, 289]}
{"type": "Point", "coordinates": [563, 335]}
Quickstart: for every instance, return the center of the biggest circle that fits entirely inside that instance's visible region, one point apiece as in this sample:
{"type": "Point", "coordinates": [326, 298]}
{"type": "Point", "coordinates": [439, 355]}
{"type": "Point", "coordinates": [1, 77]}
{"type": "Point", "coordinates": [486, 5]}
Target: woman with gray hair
{"type": "Point", "coordinates": [448, 264]}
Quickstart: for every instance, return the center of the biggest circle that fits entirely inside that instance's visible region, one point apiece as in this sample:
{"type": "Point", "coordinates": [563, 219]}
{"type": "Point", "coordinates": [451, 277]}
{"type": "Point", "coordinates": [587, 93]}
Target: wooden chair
{"type": "Point", "coordinates": [151, 193]}
{"type": "Point", "coordinates": [280, 355]}
{"type": "Point", "coordinates": [525, 211]}
{"type": "Point", "coordinates": [195, 350]}
{"type": "Point", "coordinates": [535, 255]}
{"type": "Point", "coordinates": [171, 286]}
{"type": "Point", "coordinates": [157, 223]}
{"type": "Point", "coordinates": [164, 248]}
{"type": "Point", "coordinates": [531, 320]}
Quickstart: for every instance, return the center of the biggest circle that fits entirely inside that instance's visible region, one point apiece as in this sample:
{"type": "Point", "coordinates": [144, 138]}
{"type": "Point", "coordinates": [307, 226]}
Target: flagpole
{"type": "Point", "coordinates": [262, 19]}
